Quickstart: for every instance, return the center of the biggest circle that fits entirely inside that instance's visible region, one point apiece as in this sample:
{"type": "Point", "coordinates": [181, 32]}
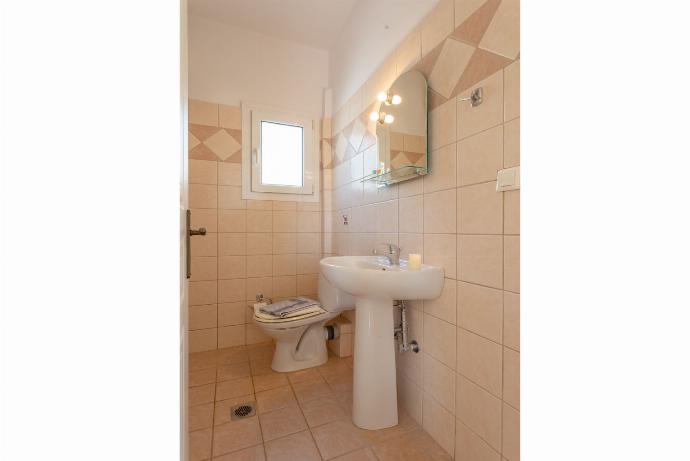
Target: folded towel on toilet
{"type": "Point", "coordinates": [298, 315]}
{"type": "Point", "coordinates": [289, 307]}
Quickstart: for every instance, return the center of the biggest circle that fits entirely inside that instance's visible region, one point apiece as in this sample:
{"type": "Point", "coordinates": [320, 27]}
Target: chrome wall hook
{"type": "Point", "coordinates": [476, 97]}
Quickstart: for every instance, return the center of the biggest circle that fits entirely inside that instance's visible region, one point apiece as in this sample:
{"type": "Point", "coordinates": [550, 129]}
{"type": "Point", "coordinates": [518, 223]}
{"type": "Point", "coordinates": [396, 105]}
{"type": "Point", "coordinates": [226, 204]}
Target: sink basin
{"type": "Point", "coordinates": [375, 284]}
{"type": "Point", "coordinates": [372, 276]}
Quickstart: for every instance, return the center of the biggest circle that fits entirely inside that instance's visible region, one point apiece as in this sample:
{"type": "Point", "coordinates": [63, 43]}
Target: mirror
{"type": "Point", "coordinates": [401, 130]}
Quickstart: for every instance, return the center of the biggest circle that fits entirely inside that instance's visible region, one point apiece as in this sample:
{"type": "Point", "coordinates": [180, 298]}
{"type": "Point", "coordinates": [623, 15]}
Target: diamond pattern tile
{"type": "Point", "coordinates": [222, 144]}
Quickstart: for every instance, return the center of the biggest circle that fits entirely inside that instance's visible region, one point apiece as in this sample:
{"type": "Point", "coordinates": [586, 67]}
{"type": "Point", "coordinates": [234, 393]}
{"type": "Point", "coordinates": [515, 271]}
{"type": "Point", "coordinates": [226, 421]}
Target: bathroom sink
{"type": "Point", "coordinates": [375, 284]}
{"type": "Point", "coordinates": [372, 276]}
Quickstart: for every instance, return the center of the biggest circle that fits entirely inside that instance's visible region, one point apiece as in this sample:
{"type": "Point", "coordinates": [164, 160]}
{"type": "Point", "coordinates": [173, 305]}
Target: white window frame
{"type": "Point", "coordinates": [252, 189]}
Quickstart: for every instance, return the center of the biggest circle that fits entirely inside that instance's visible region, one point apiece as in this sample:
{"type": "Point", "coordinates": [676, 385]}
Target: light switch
{"type": "Point", "coordinates": [508, 179]}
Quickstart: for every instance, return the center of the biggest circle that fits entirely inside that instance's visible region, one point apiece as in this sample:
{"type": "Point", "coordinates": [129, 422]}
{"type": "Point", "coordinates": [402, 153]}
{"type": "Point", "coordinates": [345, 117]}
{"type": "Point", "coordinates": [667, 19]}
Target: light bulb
{"type": "Point", "coordinates": [374, 116]}
{"type": "Point", "coordinates": [382, 96]}
{"type": "Point", "coordinates": [388, 118]}
{"type": "Point", "coordinates": [396, 99]}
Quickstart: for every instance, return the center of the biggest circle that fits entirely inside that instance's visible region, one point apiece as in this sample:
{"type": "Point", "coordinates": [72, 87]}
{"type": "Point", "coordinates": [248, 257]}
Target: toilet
{"type": "Point", "coordinates": [301, 343]}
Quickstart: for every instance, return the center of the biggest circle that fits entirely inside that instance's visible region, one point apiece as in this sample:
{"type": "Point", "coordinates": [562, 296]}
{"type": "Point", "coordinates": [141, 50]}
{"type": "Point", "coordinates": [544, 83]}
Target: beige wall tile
{"type": "Point", "coordinates": [259, 265]}
{"type": "Point", "coordinates": [284, 264]}
{"type": "Point", "coordinates": [479, 410]}
{"type": "Point", "coordinates": [503, 34]}
{"type": "Point", "coordinates": [511, 150]}
{"type": "Point", "coordinates": [480, 310]}
{"type": "Point", "coordinates": [259, 285]}
{"type": "Point", "coordinates": [229, 174]}
{"type": "Point", "coordinates": [411, 397]}
{"type": "Point", "coordinates": [511, 377]}
{"type": "Point", "coordinates": [203, 196]}
{"type": "Point", "coordinates": [511, 433]}
{"type": "Point", "coordinates": [232, 220]}
{"type": "Point", "coordinates": [439, 423]}
{"type": "Point", "coordinates": [203, 113]}
{"type": "Point", "coordinates": [230, 117]}
{"type": "Point", "coordinates": [437, 25]}
{"type": "Point", "coordinates": [232, 267]}
{"type": "Point", "coordinates": [411, 187]}
{"type": "Point", "coordinates": [411, 214]}
{"type": "Point", "coordinates": [489, 113]}
{"type": "Point", "coordinates": [511, 263]}
{"type": "Point", "coordinates": [449, 66]}
{"type": "Point", "coordinates": [280, 205]}
{"type": "Point", "coordinates": [231, 336]}
{"type": "Point", "coordinates": [409, 52]}
{"type": "Point", "coordinates": [308, 242]}
{"type": "Point", "coordinates": [203, 293]}
{"type": "Point", "coordinates": [512, 91]}
{"type": "Point", "coordinates": [439, 340]}
{"type": "Point", "coordinates": [308, 206]}
{"type": "Point", "coordinates": [480, 157]}
{"type": "Point", "coordinates": [439, 382]}
{"type": "Point", "coordinates": [465, 8]}
{"type": "Point", "coordinates": [440, 212]}
{"type": "Point", "coordinates": [443, 167]}
{"type": "Point", "coordinates": [259, 221]}
{"type": "Point", "coordinates": [262, 205]}
{"type": "Point", "coordinates": [480, 209]}
{"type": "Point", "coordinates": [411, 243]}
{"type": "Point", "coordinates": [230, 198]}
{"type": "Point", "coordinates": [308, 263]}
{"type": "Point", "coordinates": [205, 245]}
{"type": "Point", "coordinates": [443, 307]}
{"type": "Point", "coordinates": [511, 217]}
{"type": "Point", "coordinates": [207, 218]}
{"type": "Point", "coordinates": [204, 268]}
{"type": "Point", "coordinates": [284, 286]}
{"type": "Point", "coordinates": [470, 447]}
{"type": "Point", "coordinates": [201, 317]}
{"type": "Point", "coordinates": [480, 259]}
{"type": "Point", "coordinates": [386, 216]}
{"type": "Point", "coordinates": [308, 285]}
{"type": "Point", "coordinates": [481, 361]}
{"type": "Point", "coordinates": [231, 290]}
{"type": "Point", "coordinates": [308, 221]}
{"type": "Point", "coordinates": [259, 243]}
{"type": "Point", "coordinates": [511, 320]}
{"type": "Point", "coordinates": [284, 221]}
{"type": "Point", "coordinates": [203, 172]}
{"type": "Point", "coordinates": [231, 313]}
{"type": "Point", "coordinates": [284, 243]}
{"type": "Point", "coordinates": [203, 340]}
{"type": "Point", "coordinates": [232, 243]}
{"type": "Point", "coordinates": [443, 125]}
{"type": "Point", "coordinates": [440, 250]}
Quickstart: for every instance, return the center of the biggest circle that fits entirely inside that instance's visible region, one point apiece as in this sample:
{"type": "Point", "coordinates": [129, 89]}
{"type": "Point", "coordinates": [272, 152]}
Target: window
{"type": "Point", "coordinates": [278, 160]}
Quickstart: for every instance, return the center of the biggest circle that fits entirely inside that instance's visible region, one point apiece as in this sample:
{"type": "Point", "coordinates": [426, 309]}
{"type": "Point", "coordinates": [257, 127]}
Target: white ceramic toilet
{"type": "Point", "coordinates": [301, 343]}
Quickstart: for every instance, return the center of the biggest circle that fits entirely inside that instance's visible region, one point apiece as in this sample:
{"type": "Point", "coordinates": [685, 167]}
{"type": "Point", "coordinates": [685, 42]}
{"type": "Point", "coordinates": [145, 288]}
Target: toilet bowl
{"type": "Point", "coordinates": [301, 343]}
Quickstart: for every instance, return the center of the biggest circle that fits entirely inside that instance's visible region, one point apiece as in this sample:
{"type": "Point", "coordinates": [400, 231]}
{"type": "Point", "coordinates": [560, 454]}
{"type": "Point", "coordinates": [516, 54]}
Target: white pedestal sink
{"type": "Point", "coordinates": [375, 284]}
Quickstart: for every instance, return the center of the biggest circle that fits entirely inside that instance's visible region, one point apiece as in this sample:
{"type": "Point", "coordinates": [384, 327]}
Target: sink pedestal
{"type": "Point", "coordinates": [374, 393]}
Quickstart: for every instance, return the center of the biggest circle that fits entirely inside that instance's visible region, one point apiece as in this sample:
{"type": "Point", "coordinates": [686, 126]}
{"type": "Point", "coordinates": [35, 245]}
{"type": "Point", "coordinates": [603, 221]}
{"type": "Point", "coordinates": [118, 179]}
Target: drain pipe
{"type": "Point", "coordinates": [331, 332]}
{"type": "Point", "coordinates": [401, 332]}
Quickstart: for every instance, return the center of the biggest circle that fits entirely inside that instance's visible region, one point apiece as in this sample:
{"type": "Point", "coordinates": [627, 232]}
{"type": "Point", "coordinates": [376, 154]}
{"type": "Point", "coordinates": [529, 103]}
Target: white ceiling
{"type": "Point", "coordinates": [315, 23]}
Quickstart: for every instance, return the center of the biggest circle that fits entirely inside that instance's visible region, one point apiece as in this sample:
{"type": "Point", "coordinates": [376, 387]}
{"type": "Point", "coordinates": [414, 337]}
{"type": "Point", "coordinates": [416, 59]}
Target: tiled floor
{"type": "Point", "coordinates": [301, 416]}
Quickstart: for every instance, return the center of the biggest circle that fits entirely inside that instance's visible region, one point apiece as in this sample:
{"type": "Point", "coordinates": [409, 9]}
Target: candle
{"type": "Point", "coordinates": [415, 261]}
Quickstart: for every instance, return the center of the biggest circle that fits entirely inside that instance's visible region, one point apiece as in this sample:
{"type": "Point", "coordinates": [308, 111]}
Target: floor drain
{"type": "Point", "coordinates": [242, 411]}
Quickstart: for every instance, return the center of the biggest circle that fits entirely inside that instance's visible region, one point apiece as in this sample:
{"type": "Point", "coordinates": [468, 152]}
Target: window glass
{"type": "Point", "coordinates": [282, 154]}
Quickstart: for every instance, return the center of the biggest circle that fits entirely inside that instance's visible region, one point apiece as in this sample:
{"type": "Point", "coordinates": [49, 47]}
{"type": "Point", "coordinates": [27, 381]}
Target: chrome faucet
{"type": "Point", "coordinates": [393, 253]}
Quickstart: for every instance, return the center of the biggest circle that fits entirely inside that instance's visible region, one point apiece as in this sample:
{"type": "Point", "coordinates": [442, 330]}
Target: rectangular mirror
{"type": "Point", "coordinates": [401, 130]}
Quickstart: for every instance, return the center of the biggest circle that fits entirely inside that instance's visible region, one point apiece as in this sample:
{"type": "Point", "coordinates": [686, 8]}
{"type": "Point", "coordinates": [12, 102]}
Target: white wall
{"type": "Point", "coordinates": [228, 65]}
{"type": "Point", "coordinates": [365, 41]}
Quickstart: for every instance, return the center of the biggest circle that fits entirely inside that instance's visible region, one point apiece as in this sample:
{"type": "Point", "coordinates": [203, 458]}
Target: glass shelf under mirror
{"type": "Point", "coordinates": [399, 174]}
